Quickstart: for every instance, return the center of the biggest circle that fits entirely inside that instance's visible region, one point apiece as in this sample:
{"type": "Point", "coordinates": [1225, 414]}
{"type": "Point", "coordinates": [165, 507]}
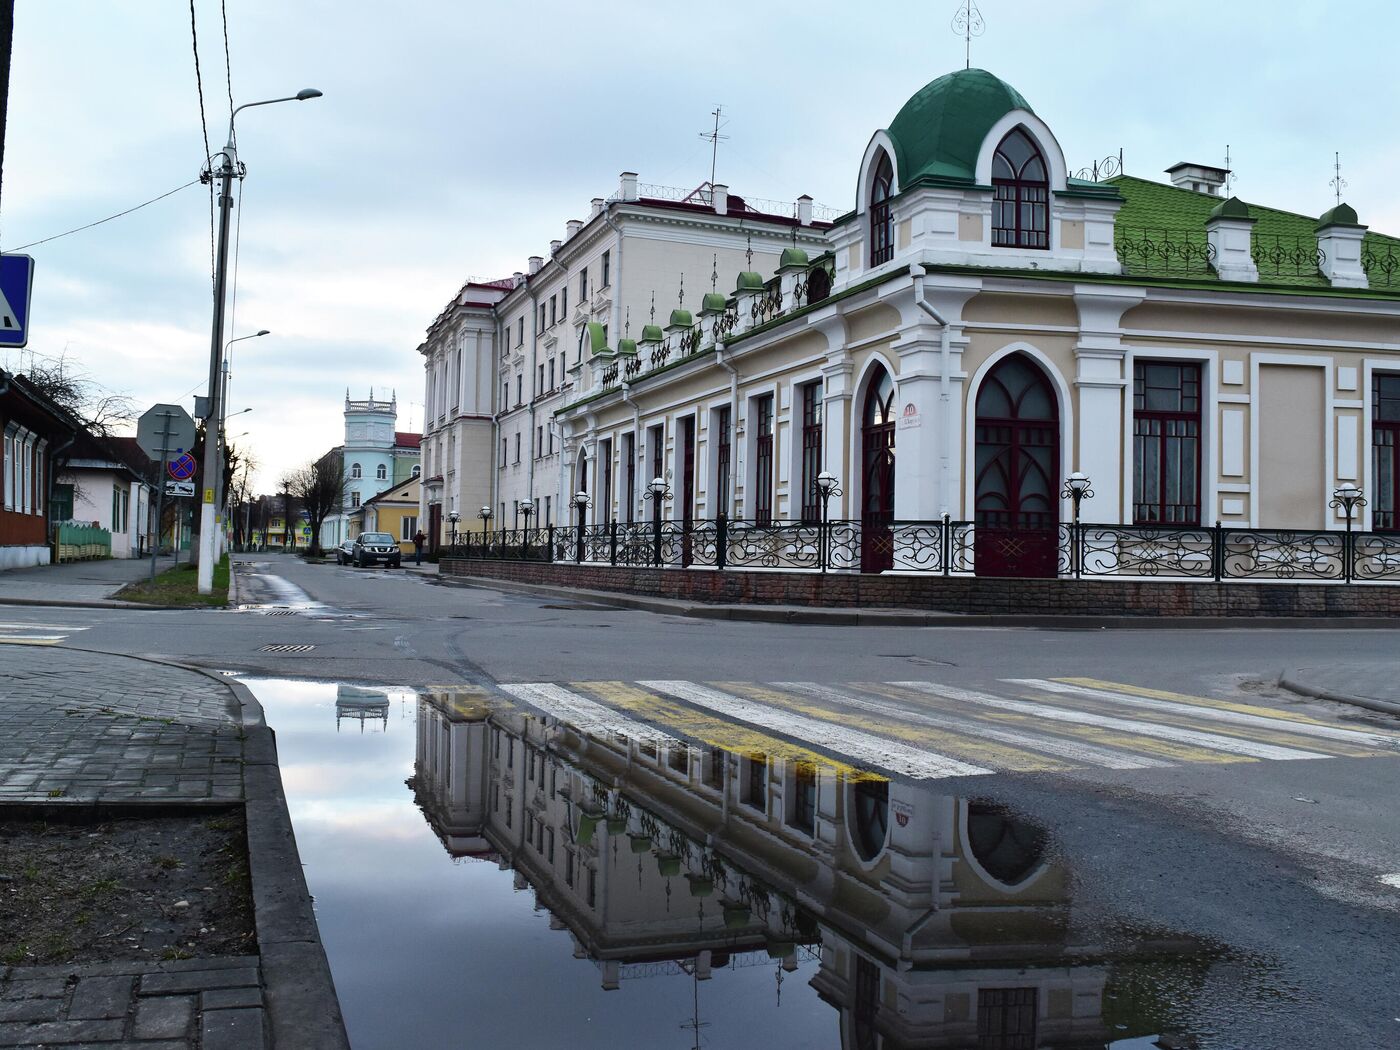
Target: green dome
{"type": "Point", "coordinates": [713, 303]}
{"type": "Point", "coordinates": [749, 282]}
{"type": "Point", "coordinates": [627, 347]}
{"type": "Point", "coordinates": [792, 257]}
{"type": "Point", "coordinates": [1233, 208]}
{"type": "Point", "coordinates": [1340, 215]}
{"type": "Point", "coordinates": [597, 337]}
{"type": "Point", "coordinates": [681, 319]}
{"type": "Point", "coordinates": [652, 333]}
{"type": "Point", "coordinates": [940, 130]}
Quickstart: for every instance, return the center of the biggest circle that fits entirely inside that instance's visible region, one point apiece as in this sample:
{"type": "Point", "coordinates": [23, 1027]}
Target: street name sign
{"type": "Point", "coordinates": [180, 488]}
{"type": "Point", "coordinates": [164, 431]}
{"type": "Point", "coordinates": [16, 282]}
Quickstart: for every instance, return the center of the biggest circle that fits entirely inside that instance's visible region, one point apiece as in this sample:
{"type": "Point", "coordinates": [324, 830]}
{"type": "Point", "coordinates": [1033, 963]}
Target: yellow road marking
{"type": "Point", "coordinates": [715, 732]}
{"type": "Point", "coordinates": [1123, 741]}
{"type": "Point", "coordinates": [952, 743]}
{"type": "Point", "coordinates": [19, 640]}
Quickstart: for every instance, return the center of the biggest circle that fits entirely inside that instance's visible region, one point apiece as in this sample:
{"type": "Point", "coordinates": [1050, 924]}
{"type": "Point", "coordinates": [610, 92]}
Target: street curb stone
{"type": "Point", "coordinates": [1289, 681]}
{"type": "Point", "coordinates": [837, 617]}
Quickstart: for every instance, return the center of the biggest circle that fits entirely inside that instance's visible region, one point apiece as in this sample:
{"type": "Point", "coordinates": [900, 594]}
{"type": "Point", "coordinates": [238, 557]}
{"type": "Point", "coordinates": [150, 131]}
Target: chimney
{"type": "Point", "coordinates": [554, 247]}
{"type": "Point", "coordinates": [597, 207]}
{"type": "Point", "coordinates": [535, 263]}
{"type": "Point", "coordinates": [804, 210]}
{"type": "Point", "coordinates": [627, 186]}
{"type": "Point", "coordinates": [1199, 178]}
{"type": "Point", "coordinates": [519, 277]}
{"type": "Point", "coordinates": [572, 227]}
{"type": "Point", "coordinates": [719, 196]}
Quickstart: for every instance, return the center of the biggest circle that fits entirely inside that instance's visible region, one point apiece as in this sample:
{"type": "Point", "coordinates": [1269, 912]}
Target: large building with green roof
{"type": "Point", "coordinates": [984, 324]}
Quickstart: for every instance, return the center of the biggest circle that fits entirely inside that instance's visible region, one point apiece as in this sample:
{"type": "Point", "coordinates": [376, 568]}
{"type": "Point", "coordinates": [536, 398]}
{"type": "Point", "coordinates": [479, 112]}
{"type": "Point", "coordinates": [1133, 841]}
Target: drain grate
{"type": "Point", "coordinates": [286, 648]}
{"type": "Point", "coordinates": [281, 612]}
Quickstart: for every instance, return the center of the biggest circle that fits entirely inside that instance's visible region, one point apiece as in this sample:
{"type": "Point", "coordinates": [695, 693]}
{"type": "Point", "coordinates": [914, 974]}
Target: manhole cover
{"type": "Point", "coordinates": [286, 648]}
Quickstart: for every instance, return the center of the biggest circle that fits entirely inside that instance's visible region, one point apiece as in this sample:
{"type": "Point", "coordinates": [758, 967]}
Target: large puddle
{"type": "Point", "coordinates": [487, 877]}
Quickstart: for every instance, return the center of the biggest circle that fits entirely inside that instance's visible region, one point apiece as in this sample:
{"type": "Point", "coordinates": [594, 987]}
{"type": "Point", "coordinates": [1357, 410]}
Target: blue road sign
{"type": "Point", "coordinates": [182, 467]}
{"type": "Point", "coordinates": [16, 282]}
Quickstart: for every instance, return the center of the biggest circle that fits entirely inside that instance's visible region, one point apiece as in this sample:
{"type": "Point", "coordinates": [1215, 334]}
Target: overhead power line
{"type": "Point", "coordinates": [204, 128]}
{"type": "Point", "coordinates": [109, 218]}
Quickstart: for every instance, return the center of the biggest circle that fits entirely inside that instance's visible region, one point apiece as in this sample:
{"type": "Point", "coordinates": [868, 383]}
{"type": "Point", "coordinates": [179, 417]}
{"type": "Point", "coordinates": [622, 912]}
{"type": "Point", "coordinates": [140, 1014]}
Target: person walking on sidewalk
{"type": "Point", "coordinates": [418, 540]}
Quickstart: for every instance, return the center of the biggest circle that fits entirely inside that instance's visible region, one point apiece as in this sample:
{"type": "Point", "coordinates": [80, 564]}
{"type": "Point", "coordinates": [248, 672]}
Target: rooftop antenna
{"type": "Point", "coordinates": [968, 23]}
{"type": "Point", "coordinates": [653, 307]}
{"type": "Point", "coordinates": [748, 249]}
{"type": "Point", "coordinates": [627, 326]}
{"type": "Point", "coordinates": [714, 271]}
{"type": "Point", "coordinates": [715, 138]}
{"type": "Point", "coordinates": [680, 299]}
{"type": "Point", "coordinates": [1229, 173]}
{"type": "Point", "coordinates": [1338, 183]}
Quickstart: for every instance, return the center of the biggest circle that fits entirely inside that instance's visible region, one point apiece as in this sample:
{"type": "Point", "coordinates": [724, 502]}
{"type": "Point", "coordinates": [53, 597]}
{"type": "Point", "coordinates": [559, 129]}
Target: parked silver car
{"type": "Point", "coordinates": [345, 553]}
{"type": "Point", "coordinates": [370, 547]}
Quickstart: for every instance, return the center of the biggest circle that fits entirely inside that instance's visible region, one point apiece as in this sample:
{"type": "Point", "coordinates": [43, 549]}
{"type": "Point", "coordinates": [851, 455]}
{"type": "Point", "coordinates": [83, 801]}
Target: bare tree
{"type": "Point", "coordinates": [319, 487]}
{"type": "Point", "coordinates": [101, 411]}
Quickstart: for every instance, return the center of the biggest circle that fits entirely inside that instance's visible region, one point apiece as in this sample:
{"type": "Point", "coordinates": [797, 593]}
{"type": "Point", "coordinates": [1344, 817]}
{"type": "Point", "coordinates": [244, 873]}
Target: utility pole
{"type": "Point", "coordinates": [208, 525]}
{"type": "Point", "coordinates": [7, 37]}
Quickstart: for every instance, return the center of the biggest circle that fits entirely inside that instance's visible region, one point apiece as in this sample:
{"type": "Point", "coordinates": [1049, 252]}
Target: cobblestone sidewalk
{"type": "Point", "coordinates": [77, 727]}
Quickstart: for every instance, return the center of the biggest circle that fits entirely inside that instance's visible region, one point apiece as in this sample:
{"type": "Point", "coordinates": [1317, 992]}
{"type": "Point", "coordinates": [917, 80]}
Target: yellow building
{"type": "Point", "coordinates": [394, 511]}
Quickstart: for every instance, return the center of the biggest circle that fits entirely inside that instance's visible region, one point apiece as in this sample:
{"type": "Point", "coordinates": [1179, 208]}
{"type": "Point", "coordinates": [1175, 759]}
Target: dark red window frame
{"type": "Point", "coordinates": [723, 459]}
{"type": "Point", "coordinates": [763, 461]}
{"type": "Point", "coordinates": [1020, 194]}
{"type": "Point", "coordinates": [1166, 442]}
{"type": "Point", "coordinates": [1385, 451]}
{"type": "Point", "coordinates": [629, 475]}
{"type": "Point", "coordinates": [881, 221]}
{"type": "Point", "coordinates": [811, 450]}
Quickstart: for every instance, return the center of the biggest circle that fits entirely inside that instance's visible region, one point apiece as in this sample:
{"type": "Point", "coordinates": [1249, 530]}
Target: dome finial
{"type": "Point", "coordinates": [968, 23]}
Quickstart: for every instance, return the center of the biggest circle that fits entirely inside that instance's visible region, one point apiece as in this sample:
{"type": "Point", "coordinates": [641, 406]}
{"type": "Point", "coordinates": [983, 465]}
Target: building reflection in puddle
{"type": "Point", "coordinates": [361, 704]}
{"type": "Point", "coordinates": [932, 920]}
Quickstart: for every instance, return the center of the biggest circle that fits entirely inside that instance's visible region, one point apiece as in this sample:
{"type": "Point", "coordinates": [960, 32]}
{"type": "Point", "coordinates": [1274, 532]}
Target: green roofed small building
{"type": "Point", "coordinates": [981, 324]}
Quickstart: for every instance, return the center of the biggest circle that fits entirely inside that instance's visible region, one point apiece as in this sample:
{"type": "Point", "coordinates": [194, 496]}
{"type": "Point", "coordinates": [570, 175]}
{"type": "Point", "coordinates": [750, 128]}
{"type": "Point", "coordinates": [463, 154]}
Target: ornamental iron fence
{"type": "Point", "coordinates": [950, 548]}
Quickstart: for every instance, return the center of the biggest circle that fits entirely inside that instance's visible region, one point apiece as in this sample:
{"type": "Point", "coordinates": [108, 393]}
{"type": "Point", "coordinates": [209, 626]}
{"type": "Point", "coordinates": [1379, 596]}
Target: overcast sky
{"type": "Point", "coordinates": [455, 138]}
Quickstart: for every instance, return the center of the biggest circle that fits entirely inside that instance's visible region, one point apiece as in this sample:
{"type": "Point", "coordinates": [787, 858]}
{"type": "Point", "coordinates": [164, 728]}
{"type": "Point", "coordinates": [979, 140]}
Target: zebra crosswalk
{"type": "Point", "coordinates": [927, 730]}
{"type": "Point", "coordinates": [23, 632]}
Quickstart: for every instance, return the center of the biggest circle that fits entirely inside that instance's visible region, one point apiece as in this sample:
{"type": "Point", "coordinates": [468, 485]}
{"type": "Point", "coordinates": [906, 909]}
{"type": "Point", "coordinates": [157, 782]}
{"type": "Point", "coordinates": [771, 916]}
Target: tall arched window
{"type": "Point", "coordinates": [355, 471]}
{"type": "Point", "coordinates": [1021, 194]}
{"type": "Point", "coordinates": [417, 470]}
{"type": "Point", "coordinates": [881, 222]}
{"type": "Point", "coordinates": [380, 472]}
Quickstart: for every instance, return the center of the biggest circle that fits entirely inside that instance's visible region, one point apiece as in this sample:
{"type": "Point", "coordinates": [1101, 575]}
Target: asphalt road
{"type": "Point", "coordinates": [1295, 863]}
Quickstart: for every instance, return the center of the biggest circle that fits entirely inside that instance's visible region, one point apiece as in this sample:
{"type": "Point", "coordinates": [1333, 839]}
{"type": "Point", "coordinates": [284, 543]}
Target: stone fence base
{"type": "Point", "coordinates": [956, 594]}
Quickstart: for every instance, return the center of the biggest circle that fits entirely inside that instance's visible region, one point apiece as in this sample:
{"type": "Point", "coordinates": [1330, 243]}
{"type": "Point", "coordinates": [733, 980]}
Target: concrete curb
{"type": "Point", "coordinates": [848, 617]}
{"type": "Point", "coordinates": [63, 603]}
{"type": "Point", "coordinates": [303, 1011]}
{"type": "Point", "coordinates": [1293, 685]}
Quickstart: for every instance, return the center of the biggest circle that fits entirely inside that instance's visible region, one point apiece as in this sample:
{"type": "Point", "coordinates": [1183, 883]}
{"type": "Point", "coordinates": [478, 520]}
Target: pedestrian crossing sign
{"type": "Point", "coordinates": [16, 282]}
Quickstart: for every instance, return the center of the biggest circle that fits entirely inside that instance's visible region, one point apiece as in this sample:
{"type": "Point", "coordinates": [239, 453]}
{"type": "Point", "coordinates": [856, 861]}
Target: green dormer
{"type": "Point", "coordinates": [749, 282]}
{"type": "Point", "coordinates": [792, 257]}
{"type": "Point", "coordinates": [713, 303]}
{"type": "Point", "coordinates": [597, 338]}
{"type": "Point", "coordinates": [652, 334]}
{"type": "Point", "coordinates": [681, 319]}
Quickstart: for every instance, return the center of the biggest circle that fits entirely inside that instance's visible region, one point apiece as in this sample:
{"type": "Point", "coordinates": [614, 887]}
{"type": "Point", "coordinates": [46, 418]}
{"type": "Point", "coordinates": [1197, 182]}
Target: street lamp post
{"type": "Point", "coordinates": [1076, 490]}
{"type": "Point", "coordinates": [827, 486]}
{"type": "Point", "coordinates": [527, 509]}
{"type": "Point", "coordinates": [485, 515]}
{"type": "Point", "coordinates": [1348, 499]}
{"type": "Point", "coordinates": [221, 512]}
{"type": "Point", "coordinates": [452, 520]}
{"type": "Point", "coordinates": [658, 492]}
{"type": "Point", "coordinates": [229, 169]}
{"type": "Point", "coordinates": [581, 501]}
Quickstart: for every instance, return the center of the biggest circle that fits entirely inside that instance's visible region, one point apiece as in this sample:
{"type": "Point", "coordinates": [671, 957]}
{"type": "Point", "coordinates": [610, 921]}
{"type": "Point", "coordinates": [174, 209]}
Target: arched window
{"type": "Point", "coordinates": [380, 472]}
{"type": "Point", "coordinates": [1008, 848]}
{"type": "Point", "coordinates": [870, 817]}
{"type": "Point", "coordinates": [355, 471]}
{"type": "Point", "coordinates": [417, 470]}
{"type": "Point", "coordinates": [877, 475]}
{"type": "Point", "coordinates": [1021, 194]}
{"type": "Point", "coordinates": [881, 222]}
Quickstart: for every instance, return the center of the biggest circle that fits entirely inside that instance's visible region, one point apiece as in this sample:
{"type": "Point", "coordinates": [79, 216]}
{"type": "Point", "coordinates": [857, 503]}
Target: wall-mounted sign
{"type": "Point", "coordinates": [909, 418]}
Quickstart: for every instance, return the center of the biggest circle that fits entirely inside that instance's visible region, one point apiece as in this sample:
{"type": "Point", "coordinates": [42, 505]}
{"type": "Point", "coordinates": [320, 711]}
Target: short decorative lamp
{"type": "Point", "coordinates": [581, 502]}
{"type": "Point", "coordinates": [827, 486]}
{"type": "Point", "coordinates": [659, 491]}
{"type": "Point", "coordinates": [1077, 490]}
{"type": "Point", "coordinates": [453, 519]}
{"type": "Point", "coordinates": [1347, 498]}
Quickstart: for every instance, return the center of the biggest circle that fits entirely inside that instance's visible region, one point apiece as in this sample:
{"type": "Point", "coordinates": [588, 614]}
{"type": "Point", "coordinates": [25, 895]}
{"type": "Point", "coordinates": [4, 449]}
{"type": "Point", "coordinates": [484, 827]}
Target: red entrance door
{"type": "Point", "coordinates": [1018, 466]}
{"type": "Point", "coordinates": [877, 476]}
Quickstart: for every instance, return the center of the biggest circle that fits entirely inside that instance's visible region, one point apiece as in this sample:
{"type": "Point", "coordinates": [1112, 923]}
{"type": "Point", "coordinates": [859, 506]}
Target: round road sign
{"type": "Point", "coordinates": [182, 467]}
